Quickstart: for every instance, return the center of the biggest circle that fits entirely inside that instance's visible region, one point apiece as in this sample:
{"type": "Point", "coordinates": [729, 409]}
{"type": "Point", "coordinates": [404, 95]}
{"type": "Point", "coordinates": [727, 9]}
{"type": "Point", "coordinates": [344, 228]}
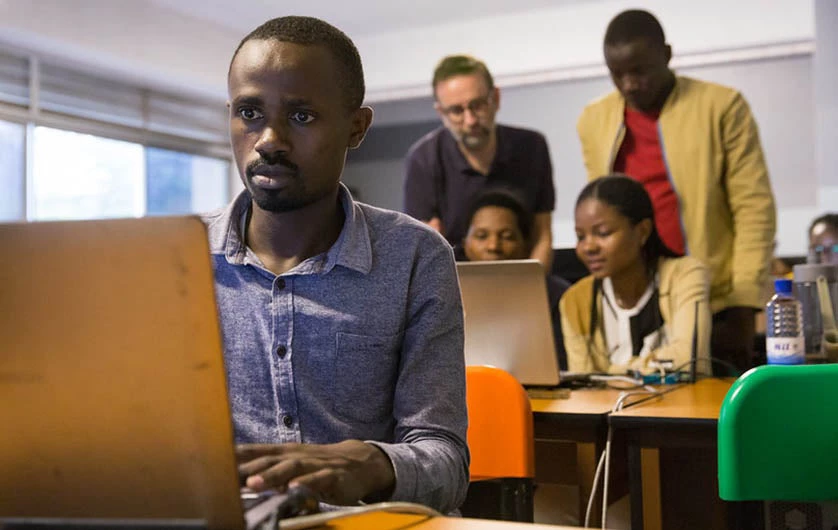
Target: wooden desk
{"type": "Point", "coordinates": [570, 435]}
{"type": "Point", "coordinates": [672, 457]}
{"type": "Point", "coordinates": [398, 521]}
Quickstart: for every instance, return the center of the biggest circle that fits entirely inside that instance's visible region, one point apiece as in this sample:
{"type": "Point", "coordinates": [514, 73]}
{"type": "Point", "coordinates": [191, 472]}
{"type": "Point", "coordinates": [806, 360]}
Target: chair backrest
{"type": "Point", "coordinates": [567, 265]}
{"type": "Point", "coordinates": [778, 435]}
{"type": "Point", "coordinates": [500, 425]}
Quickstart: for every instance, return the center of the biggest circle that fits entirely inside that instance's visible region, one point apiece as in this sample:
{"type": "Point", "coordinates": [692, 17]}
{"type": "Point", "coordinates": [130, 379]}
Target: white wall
{"type": "Point", "coordinates": [826, 98]}
{"type": "Point", "coordinates": [141, 40]}
{"type": "Point", "coordinates": [569, 37]}
{"type": "Point", "coordinates": [128, 39]}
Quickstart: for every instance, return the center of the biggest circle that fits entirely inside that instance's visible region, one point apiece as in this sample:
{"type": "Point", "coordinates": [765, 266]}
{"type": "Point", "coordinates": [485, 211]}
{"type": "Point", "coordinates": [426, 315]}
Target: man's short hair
{"type": "Point", "coordinates": [508, 199]}
{"type": "Point", "coordinates": [829, 219]}
{"type": "Point", "coordinates": [455, 65]}
{"type": "Point", "coordinates": [310, 31]}
{"type": "Point", "coordinates": [634, 24]}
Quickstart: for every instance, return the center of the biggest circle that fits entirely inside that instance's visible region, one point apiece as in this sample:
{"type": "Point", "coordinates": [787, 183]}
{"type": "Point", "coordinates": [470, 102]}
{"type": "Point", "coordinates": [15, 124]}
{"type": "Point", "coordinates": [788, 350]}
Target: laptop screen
{"type": "Point", "coordinates": [112, 389]}
{"type": "Point", "coordinates": [507, 319]}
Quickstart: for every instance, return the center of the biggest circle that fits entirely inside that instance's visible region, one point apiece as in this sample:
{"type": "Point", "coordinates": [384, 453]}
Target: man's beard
{"type": "Point", "coordinates": [279, 201]}
{"type": "Point", "coordinates": [288, 198]}
{"type": "Point", "coordinates": [476, 140]}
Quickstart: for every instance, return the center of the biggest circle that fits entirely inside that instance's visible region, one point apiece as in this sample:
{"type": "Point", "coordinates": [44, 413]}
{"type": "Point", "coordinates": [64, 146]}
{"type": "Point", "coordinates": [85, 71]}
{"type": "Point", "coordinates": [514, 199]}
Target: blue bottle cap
{"type": "Point", "coordinates": [782, 286]}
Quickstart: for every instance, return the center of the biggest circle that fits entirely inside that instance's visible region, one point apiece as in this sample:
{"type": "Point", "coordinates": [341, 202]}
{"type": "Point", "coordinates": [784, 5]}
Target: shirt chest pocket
{"type": "Point", "coordinates": [366, 370]}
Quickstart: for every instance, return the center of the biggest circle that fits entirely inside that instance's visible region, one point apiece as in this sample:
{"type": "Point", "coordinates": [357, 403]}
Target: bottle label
{"type": "Point", "coordinates": [785, 350]}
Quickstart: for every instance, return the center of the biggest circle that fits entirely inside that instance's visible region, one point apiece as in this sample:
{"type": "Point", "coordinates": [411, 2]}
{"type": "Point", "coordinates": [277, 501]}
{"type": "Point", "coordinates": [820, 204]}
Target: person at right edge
{"type": "Point", "coordinates": [695, 147]}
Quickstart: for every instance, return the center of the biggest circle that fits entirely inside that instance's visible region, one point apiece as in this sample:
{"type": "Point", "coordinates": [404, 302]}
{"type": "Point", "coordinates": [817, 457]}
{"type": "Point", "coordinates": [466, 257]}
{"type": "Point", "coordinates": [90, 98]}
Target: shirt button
{"type": "Point", "coordinates": [281, 351]}
{"type": "Point", "coordinates": [280, 284]}
{"type": "Point", "coordinates": [288, 421]}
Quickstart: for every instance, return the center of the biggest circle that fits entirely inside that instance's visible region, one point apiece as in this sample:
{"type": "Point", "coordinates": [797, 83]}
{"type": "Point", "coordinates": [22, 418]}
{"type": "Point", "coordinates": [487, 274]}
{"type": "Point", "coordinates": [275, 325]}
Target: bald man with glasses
{"type": "Point", "coordinates": [450, 166]}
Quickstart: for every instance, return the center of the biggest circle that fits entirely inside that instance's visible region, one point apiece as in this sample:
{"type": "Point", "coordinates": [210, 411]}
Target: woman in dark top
{"type": "Point", "coordinates": [500, 229]}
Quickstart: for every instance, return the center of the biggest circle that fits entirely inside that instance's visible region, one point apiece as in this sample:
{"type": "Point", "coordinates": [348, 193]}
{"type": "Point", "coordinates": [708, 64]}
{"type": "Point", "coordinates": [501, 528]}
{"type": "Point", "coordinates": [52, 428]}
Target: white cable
{"type": "Point", "coordinates": [605, 457]}
{"type": "Point", "coordinates": [627, 382]}
{"type": "Point", "coordinates": [319, 519]}
{"type": "Point", "coordinates": [593, 489]}
{"type": "Point", "coordinates": [607, 454]}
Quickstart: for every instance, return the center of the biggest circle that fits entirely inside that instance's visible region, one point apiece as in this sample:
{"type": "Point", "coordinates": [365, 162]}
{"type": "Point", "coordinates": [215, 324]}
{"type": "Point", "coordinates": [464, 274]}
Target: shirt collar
{"type": "Point", "coordinates": [352, 249]}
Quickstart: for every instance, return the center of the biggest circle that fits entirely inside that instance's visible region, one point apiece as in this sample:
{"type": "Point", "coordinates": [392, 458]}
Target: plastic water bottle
{"type": "Point", "coordinates": [784, 342]}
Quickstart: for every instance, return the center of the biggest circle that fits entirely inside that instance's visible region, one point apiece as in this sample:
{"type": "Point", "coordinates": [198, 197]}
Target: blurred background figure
{"type": "Point", "coordinates": [641, 303]}
{"type": "Point", "coordinates": [470, 153]}
{"type": "Point", "coordinates": [695, 147]}
{"type": "Point", "coordinates": [823, 239]}
{"type": "Point", "coordinates": [501, 228]}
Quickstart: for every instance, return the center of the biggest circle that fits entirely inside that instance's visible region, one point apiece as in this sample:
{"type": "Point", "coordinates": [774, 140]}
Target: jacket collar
{"type": "Point", "coordinates": [673, 96]}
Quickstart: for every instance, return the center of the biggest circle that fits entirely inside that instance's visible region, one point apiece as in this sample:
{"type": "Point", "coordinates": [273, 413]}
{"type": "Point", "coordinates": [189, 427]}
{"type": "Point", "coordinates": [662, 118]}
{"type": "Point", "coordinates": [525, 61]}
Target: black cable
{"type": "Point", "coordinates": [732, 367]}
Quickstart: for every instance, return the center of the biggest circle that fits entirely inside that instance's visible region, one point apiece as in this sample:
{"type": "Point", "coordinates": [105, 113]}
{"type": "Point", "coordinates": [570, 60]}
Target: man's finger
{"type": "Point", "coordinates": [258, 465]}
{"type": "Point", "coordinates": [246, 452]}
{"type": "Point", "coordinates": [326, 484]}
{"type": "Point", "coordinates": [283, 471]}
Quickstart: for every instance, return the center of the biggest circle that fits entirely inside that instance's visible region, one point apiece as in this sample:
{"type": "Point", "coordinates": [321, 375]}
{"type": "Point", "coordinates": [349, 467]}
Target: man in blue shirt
{"type": "Point", "coordinates": [342, 323]}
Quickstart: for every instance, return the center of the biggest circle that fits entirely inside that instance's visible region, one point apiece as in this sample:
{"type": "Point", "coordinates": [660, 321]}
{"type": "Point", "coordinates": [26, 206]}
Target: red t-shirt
{"type": "Point", "coordinates": [641, 158]}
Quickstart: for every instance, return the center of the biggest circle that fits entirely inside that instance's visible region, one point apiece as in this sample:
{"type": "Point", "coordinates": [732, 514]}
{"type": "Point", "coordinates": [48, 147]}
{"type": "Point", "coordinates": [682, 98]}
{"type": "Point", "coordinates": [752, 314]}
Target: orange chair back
{"type": "Point", "coordinates": [500, 432]}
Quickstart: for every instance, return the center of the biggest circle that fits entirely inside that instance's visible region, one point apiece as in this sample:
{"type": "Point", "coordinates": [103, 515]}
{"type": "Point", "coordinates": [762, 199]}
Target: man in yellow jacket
{"type": "Point", "coordinates": [695, 147]}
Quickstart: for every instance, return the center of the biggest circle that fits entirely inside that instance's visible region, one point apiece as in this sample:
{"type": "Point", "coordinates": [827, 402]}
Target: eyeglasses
{"type": "Point", "coordinates": [822, 253]}
{"type": "Point", "coordinates": [479, 107]}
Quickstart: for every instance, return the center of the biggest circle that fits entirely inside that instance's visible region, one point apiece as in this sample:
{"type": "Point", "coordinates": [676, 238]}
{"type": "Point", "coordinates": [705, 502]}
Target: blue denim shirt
{"type": "Point", "coordinates": [363, 342]}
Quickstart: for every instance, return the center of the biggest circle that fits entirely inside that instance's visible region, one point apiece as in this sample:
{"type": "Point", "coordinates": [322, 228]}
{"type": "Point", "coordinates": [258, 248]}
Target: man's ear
{"type": "Point", "coordinates": [644, 229]}
{"type": "Point", "coordinates": [496, 97]}
{"type": "Point", "coordinates": [361, 121]}
{"type": "Point", "coordinates": [667, 50]}
{"type": "Point", "coordinates": [438, 109]}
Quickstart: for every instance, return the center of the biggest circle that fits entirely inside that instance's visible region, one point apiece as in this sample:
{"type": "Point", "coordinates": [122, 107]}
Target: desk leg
{"type": "Point", "coordinates": [587, 456]}
{"type": "Point", "coordinates": [677, 486]}
{"type": "Point", "coordinates": [574, 463]}
{"type": "Point", "coordinates": [636, 489]}
{"type": "Point", "coordinates": [689, 489]}
{"type": "Point", "coordinates": [645, 490]}
{"type": "Point", "coordinates": [651, 488]}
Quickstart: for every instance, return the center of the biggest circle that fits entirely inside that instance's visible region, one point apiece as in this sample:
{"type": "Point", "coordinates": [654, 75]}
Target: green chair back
{"type": "Point", "coordinates": [778, 435]}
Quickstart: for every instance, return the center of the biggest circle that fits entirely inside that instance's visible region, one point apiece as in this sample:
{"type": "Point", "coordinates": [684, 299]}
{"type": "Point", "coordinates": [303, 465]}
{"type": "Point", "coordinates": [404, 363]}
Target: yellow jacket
{"type": "Point", "coordinates": [683, 286]}
{"type": "Point", "coordinates": [714, 159]}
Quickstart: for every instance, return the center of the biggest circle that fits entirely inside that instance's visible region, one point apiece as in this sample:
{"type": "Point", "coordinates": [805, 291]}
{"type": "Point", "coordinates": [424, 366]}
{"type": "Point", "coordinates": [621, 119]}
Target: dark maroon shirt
{"type": "Point", "coordinates": [440, 182]}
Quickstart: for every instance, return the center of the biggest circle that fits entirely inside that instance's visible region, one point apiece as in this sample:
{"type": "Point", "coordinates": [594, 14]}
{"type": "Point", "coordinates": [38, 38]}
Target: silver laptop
{"type": "Point", "coordinates": [507, 319]}
{"type": "Point", "coordinates": [113, 399]}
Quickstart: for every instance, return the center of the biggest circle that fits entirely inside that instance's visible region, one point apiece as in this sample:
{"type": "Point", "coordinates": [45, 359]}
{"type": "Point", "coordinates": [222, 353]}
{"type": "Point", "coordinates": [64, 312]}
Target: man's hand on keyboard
{"type": "Point", "coordinates": [341, 473]}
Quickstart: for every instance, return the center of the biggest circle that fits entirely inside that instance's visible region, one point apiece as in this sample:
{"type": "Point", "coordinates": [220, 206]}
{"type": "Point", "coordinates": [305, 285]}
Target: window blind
{"type": "Point", "coordinates": [14, 80]}
{"type": "Point", "coordinates": [66, 91]}
{"type": "Point", "coordinates": [190, 118]}
{"type": "Point", "coordinates": [69, 92]}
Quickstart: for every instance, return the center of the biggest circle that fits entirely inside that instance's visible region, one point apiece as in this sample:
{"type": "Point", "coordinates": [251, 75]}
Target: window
{"type": "Point", "coordinates": [81, 176]}
{"type": "Point", "coordinates": [180, 183]}
{"type": "Point", "coordinates": [12, 175]}
{"type": "Point", "coordinates": [86, 146]}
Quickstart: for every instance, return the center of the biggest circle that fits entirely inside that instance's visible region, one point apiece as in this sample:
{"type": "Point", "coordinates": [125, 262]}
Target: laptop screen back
{"type": "Point", "coordinates": [113, 399]}
{"type": "Point", "coordinates": [507, 319]}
